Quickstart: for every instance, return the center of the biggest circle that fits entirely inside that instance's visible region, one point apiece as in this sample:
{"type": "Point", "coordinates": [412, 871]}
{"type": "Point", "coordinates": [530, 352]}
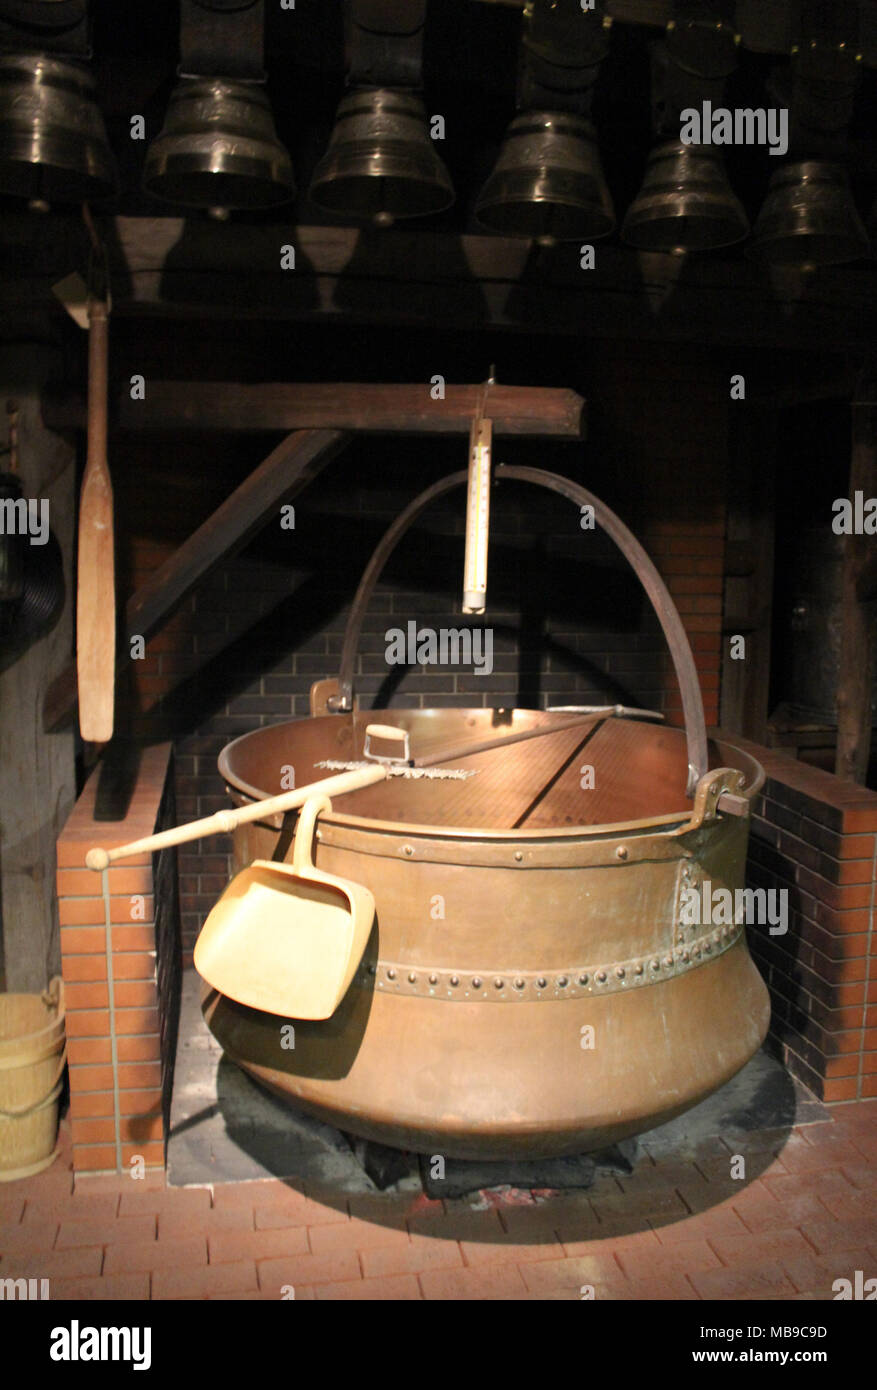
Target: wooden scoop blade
{"type": "Point", "coordinates": [95, 599]}
{"type": "Point", "coordinates": [96, 610]}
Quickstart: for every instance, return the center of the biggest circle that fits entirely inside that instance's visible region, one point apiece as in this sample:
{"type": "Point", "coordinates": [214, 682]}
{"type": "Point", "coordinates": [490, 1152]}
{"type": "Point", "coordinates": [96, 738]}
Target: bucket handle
{"type": "Point", "coordinates": [302, 858]}
{"type": "Point", "coordinates": [16, 1112]}
{"type": "Point", "coordinates": [656, 590]}
{"type": "Point", "coordinates": [53, 997]}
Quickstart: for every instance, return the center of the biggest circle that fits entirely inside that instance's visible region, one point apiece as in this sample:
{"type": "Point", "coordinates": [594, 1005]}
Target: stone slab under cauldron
{"type": "Point", "coordinates": [224, 1128]}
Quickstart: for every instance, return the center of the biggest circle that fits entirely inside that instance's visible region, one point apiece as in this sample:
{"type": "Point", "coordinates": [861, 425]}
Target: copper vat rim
{"type": "Point", "coordinates": [655, 835]}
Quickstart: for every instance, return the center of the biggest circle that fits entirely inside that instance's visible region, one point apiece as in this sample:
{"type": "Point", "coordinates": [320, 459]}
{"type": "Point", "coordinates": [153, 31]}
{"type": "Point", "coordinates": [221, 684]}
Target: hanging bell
{"type": "Point", "coordinates": [53, 142]}
{"type": "Point", "coordinates": [548, 181]}
{"type": "Point", "coordinates": [808, 218]}
{"type": "Point", "coordinates": [685, 203]}
{"type": "Point", "coordinates": [381, 163]}
{"type": "Point", "coordinates": [218, 148]}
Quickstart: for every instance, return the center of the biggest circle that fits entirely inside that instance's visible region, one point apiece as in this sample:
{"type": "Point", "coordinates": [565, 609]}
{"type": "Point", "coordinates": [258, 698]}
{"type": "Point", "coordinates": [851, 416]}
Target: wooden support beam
{"type": "Point", "coordinates": [283, 474]}
{"type": "Point", "coordinates": [405, 409]}
{"type": "Point", "coordinates": [37, 774]}
{"type": "Point", "coordinates": [858, 628]}
{"type": "Point", "coordinates": [749, 569]}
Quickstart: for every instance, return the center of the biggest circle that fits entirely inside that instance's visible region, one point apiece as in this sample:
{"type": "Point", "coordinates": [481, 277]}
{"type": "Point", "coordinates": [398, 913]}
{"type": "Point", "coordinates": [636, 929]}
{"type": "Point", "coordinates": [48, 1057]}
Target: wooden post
{"type": "Point", "coordinates": [37, 773]}
{"type": "Point", "coordinates": [749, 570]}
{"type": "Point", "coordinates": [857, 633]}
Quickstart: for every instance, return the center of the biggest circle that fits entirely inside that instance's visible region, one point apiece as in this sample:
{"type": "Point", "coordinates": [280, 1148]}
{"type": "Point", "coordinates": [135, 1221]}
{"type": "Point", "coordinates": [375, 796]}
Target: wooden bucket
{"type": "Point", "coordinates": [33, 1054]}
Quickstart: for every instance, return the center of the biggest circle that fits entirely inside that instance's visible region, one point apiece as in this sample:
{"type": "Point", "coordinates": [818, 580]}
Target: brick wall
{"type": "Point", "coordinates": [815, 836]}
{"type": "Point", "coordinates": [120, 959]}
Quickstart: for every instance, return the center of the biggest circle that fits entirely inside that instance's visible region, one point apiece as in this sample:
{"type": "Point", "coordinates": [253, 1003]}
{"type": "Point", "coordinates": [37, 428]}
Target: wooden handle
{"type": "Point", "coordinates": [228, 820]}
{"type": "Point", "coordinates": [95, 595]}
{"type": "Point", "coordinates": [386, 731]}
{"type": "Point", "coordinates": [302, 856]}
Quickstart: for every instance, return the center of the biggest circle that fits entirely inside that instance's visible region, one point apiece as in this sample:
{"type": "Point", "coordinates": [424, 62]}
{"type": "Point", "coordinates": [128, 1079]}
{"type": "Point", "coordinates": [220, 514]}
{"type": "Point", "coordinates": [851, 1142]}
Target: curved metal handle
{"type": "Point", "coordinates": [656, 590]}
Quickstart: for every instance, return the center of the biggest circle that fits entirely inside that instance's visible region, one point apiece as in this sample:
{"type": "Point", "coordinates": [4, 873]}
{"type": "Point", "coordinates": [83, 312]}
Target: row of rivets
{"type": "Point", "coordinates": [621, 852]}
{"type": "Point", "coordinates": [606, 979]}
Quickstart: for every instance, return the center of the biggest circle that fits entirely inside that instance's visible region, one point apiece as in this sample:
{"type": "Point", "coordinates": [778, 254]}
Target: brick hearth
{"type": "Point", "coordinates": [120, 962]}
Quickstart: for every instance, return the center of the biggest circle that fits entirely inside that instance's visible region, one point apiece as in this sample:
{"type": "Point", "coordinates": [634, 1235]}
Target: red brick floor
{"type": "Point", "coordinates": [804, 1215]}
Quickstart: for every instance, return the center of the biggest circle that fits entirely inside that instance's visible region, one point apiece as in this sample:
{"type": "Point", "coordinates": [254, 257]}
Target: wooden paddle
{"type": "Point", "coordinates": [96, 594]}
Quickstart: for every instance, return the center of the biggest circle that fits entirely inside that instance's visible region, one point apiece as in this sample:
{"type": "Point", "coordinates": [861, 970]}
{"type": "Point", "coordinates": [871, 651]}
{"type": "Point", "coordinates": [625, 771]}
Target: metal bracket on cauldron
{"type": "Point", "coordinates": [719, 791]}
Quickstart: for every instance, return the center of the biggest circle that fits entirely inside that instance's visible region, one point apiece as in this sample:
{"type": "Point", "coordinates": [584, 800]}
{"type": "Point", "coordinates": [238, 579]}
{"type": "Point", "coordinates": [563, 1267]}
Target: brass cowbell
{"type": "Point", "coordinates": [548, 181]}
{"type": "Point", "coordinates": [381, 162]}
{"type": "Point", "coordinates": [53, 142]}
{"type": "Point", "coordinates": [685, 203]}
{"type": "Point", "coordinates": [808, 218]}
{"type": "Point", "coordinates": [218, 148]}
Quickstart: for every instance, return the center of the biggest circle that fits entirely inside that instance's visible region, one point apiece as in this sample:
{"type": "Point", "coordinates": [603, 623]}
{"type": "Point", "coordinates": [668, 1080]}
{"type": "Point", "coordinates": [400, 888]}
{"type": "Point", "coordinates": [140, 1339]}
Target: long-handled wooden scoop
{"type": "Point", "coordinates": [226, 821]}
{"type": "Point", "coordinates": [356, 775]}
{"type": "Point", "coordinates": [95, 595]}
{"type": "Point", "coordinates": [287, 938]}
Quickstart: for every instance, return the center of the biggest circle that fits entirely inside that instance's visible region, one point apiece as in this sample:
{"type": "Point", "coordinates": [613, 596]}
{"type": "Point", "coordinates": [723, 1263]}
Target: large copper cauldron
{"type": "Point", "coordinates": [531, 986]}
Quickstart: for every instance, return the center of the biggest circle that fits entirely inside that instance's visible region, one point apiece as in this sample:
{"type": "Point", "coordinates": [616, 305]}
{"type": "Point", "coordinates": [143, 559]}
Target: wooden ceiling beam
{"type": "Point", "coordinates": [406, 409]}
{"type": "Point", "coordinates": [173, 269]}
{"type": "Point", "coordinates": [765, 26]}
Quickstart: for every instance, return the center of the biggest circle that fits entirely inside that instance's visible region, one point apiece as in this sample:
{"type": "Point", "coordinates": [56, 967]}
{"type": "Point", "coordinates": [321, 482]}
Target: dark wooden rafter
{"type": "Point", "coordinates": [172, 269]}
{"type": "Point", "coordinates": [858, 624]}
{"type": "Point", "coordinates": [765, 26]}
{"type": "Point", "coordinates": [281, 476]}
{"type": "Point", "coordinates": [396, 409]}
